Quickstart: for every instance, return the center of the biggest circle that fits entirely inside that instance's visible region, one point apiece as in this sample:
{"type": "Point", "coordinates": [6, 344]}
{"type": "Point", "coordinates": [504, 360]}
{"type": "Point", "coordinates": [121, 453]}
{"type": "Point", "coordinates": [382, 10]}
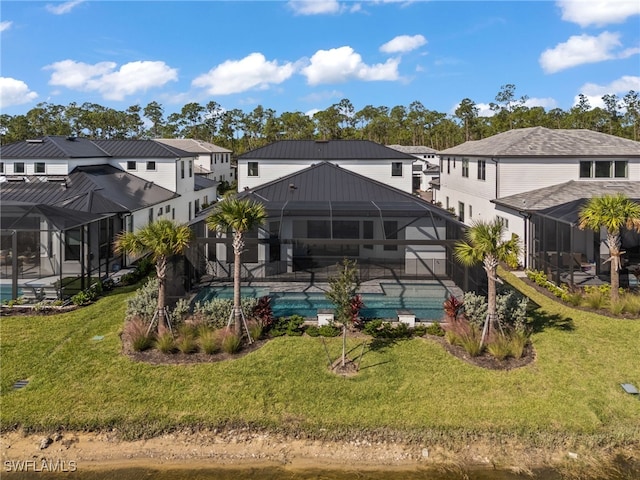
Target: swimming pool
{"type": "Point", "coordinates": [423, 299]}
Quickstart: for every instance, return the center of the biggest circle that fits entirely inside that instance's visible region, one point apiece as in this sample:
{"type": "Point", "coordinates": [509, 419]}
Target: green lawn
{"type": "Point", "coordinates": [413, 387]}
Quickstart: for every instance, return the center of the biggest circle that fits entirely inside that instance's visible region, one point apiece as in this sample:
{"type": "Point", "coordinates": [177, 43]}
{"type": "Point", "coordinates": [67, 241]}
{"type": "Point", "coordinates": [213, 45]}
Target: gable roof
{"type": "Point", "coordinates": [59, 147]}
{"type": "Point", "coordinates": [95, 189]}
{"type": "Point", "coordinates": [565, 199]}
{"type": "Point", "coordinates": [325, 150]}
{"type": "Point", "coordinates": [414, 149]}
{"type": "Point", "coordinates": [328, 187]}
{"type": "Point", "coordinates": [547, 142]}
{"type": "Point", "coordinates": [192, 145]}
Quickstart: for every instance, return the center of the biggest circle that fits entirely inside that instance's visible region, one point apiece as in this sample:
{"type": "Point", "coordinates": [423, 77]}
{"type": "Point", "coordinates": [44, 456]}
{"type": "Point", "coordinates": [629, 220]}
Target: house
{"type": "Point", "coordinates": [426, 166]}
{"type": "Point", "coordinates": [118, 184]}
{"type": "Point", "coordinates": [323, 213]}
{"type": "Point", "coordinates": [367, 158]}
{"type": "Point", "coordinates": [533, 171]}
{"type": "Point", "coordinates": [210, 160]}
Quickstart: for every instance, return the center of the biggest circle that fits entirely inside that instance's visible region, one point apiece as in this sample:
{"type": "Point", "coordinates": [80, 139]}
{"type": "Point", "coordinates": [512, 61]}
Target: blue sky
{"type": "Point", "coordinates": [307, 55]}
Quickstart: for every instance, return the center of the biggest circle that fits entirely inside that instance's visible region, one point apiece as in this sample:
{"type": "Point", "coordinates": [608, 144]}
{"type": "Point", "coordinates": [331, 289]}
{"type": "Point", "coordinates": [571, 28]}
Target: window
{"type": "Point", "coordinates": [150, 215]}
{"type": "Point", "coordinates": [160, 211]}
{"type": "Point", "coordinates": [470, 211]}
{"type": "Point", "coordinates": [181, 168]}
{"type": "Point", "coordinates": [196, 205]}
{"type": "Point", "coordinates": [129, 223]}
{"type": "Point", "coordinates": [396, 169]}
{"type": "Point", "coordinates": [461, 211]}
{"type": "Point", "coordinates": [151, 165]}
{"type": "Point", "coordinates": [482, 167]}
{"type": "Point", "coordinates": [585, 169]}
{"type": "Point", "coordinates": [72, 243]}
{"type": "Point", "coordinates": [167, 208]}
{"type": "Point", "coordinates": [620, 169]}
{"type": "Point", "coordinates": [447, 203]}
{"type": "Point", "coordinates": [504, 221]}
{"type": "Point", "coordinates": [1, 167]}
{"type": "Point", "coordinates": [465, 167]}
{"type": "Point", "coordinates": [390, 233]}
{"type": "Point", "coordinates": [39, 167]}
{"type": "Point", "coordinates": [367, 233]}
{"type": "Point", "coordinates": [346, 229]}
{"type": "Point", "coordinates": [318, 229]}
{"type": "Point", "coordinates": [189, 211]}
{"type": "Point", "coordinates": [253, 169]}
{"type": "Point", "coordinates": [274, 241]}
{"type": "Point", "coordinates": [131, 165]}
{"type": "Point", "coordinates": [190, 168]}
{"type": "Point", "coordinates": [603, 169]}
{"type": "Point", "coordinates": [448, 165]}
{"type": "Point", "coordinates": [18, 167]}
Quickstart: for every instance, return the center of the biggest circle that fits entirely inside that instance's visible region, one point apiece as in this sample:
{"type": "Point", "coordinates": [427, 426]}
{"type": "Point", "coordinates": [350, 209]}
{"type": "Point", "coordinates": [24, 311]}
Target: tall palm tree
{"type": "Point", "coordinates": [613, 212]}
{"type": "Point", "coordinates": [161, 239]}
{"type": "Point", "coordinates": [483, 244]}
{"type": "Point", "coordinates": [240, 216]}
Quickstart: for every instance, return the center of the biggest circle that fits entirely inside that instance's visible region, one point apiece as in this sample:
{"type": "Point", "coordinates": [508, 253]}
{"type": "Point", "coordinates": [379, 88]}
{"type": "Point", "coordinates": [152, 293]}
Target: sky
{"type": "Point", "coordinates": [306, 55]}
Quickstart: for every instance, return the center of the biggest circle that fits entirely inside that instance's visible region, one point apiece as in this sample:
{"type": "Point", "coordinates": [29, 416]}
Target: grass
{"type": "Point", "coordinates": [570, 394]}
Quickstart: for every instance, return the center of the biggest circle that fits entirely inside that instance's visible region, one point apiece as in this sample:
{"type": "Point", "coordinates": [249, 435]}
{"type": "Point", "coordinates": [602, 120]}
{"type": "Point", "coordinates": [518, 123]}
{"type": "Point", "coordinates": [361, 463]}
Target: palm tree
{"type": "Point", "coordinates": [239, 215]}
{"type": "Point", "coordinates": [613, 212]}
{"type": "Point", "coordinates": [161, 239]}
{"type": "Point", "coordinates": [483, 243]}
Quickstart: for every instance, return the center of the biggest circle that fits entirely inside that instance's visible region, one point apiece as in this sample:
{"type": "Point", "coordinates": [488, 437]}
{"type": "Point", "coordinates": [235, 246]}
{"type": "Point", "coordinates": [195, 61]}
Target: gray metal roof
{"type": "Point", "coordinates": [325, 150]}
{"type": "Point", "coordinates": [546, 142]}
{"type": "Point", "coordinates": [56, 147]}
{"type": "Point", "coordinates": [192, 145]}
{"type": "Point", "coordinates": [326, 187]}
{"type": "Point", "coordinates": [201, 182]}
{"type": "Point", "coordinates": [95, 189]}
{"type": "Point", "coordinates": [556, 195]}
{"type": "Point", "coordinates": [52, 147]}
{"type": "Point", "coordinates": [28, 217]}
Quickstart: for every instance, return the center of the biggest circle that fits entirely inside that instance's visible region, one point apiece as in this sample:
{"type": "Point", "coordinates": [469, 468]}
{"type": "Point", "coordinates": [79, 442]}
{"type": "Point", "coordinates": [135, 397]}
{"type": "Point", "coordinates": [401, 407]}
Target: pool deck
{"type": "Point", "coordinates": [370, 286]}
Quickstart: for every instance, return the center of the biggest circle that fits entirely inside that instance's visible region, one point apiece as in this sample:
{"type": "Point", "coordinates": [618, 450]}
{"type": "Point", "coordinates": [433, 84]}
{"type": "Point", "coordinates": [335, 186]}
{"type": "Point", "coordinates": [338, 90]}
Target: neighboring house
{"type": "Point", "coordinates": [118, 184]}
{"type": "Point", "coordinates": [426, 167]}
{"type": "Point", "coordinates": [323, 213]}
{"type": "Point", "coordinates": [367, 158]}
{"type": "Point", "coordinates": [210, 160]}
{"type": "Point", "coordinates": [514, 174]}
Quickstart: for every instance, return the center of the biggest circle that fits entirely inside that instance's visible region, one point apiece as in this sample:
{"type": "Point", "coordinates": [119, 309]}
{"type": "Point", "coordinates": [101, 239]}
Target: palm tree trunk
{"type": "Point", "coordinates": [614, 243]}
{"type": "Point", "coordinates": [161, 272]}
{"type": "Point", "coordinates": [238, 246]}
{"type": "Point", "coordinates": [344, 344]}
{"type": "Point", "coordinates": [491, 268]}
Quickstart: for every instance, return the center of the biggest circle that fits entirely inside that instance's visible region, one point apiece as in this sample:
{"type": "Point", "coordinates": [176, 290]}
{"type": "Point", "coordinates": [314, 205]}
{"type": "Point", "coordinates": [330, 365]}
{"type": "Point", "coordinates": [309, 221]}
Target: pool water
{"type": "Point", "coordinates": [424, 300]}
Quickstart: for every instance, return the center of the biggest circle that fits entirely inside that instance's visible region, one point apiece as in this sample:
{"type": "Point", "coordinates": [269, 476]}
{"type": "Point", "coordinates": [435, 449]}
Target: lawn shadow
{"type": "Point", "coordinates": [541, 320]}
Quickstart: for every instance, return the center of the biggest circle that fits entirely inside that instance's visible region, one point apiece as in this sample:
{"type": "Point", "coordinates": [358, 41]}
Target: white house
{"type": "Point", "coordinates": [65, 198]}
{"type": "Point", "coordinates": [286, 157]}
{"type": "Point", "coordinates": [426, 166]}
{"type": "Point", "coordinates": [210, 160]}
{"type": "Point", "coordinates": [506, 175]}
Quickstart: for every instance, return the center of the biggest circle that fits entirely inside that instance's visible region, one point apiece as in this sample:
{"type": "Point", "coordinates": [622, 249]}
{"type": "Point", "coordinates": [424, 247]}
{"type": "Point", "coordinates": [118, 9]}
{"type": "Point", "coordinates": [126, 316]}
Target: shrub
{"type": "Point", "coordinates": [435, 329]}
{"type": "Point", "coordinates": [470, 341]}
{"type": "Point", "coordinates": [218, 310]}
{"type": "Point", "coordinates": [181, 310]}
{"type": "Point", "coordinates": [380, 329]}
{"type": "Point", "coordinates": [595, 299]}
{"type": "Point", "coordinates": [518, 341]}
{"type": "Point", "coordinates": [186, 343]}
{"type": "Point", "coordinates": [255, 330]}
{"type": "Point", "coordinates": [209, 342]}
{"type": "Point", "coordinates": [312, 331]}
{"type": "Point", "coordinates": [452, 306]}
{"type": "Point", "coordinates": [263, 312]}
{"type": "Point", "coordinates": [145, 302]}
{"type": "Point", "coordinates": [499, 346]}
{"type": "Point", "coordinates": [81, 298]}
{"type": "Point", "coordinates": [166, 343]}
{"type": "Point", "coordinates": [631, 304]}
{"type": "Point", "coordinates": [136, 330]}
{"type": "Point", "coordinates": [475, 308]}
{"type": "Point", "coordinates": [419, 330]}
{"type": "Point", "coordinates": [511, 310]}
{"type": "Point", "coordinates": [230, 342]}
{"type": "Point", "coordinates": [371, 327]}
{"type": "Point", "coordinates": [291, 326]}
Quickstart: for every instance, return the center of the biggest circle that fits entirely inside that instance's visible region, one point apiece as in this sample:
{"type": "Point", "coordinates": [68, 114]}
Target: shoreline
{"type": "Point", "coordinates": [105, 451]}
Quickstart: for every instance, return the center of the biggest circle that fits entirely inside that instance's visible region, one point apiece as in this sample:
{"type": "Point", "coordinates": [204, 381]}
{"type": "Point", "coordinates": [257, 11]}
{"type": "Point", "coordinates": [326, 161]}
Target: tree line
{"type": "Point", "coordinates": [241, 131]}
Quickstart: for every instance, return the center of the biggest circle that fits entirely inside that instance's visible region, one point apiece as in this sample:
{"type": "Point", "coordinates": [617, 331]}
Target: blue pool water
{"type": "Point", "coordinates": [424, 300]}
{"type": "Point", "coordinates": [5, 292]}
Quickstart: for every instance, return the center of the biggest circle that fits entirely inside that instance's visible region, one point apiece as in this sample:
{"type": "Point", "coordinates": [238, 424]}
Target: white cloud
{"type": "Point", "coordinates": [599, 13]}
{"type": "Point", "coordinates": [251, 72]}
{"type": "Point", "coordinates": [581, 49]}
{"type": "Point", "coordinates": [547, 103]}
{"type": "Point", "coordinates": [62, 8]}
{"type": "Point", "coordinates": [14, 92]}
{"type": "Point", "coordinates": [113, 84]}
{"type": "Point", "coordinates": [619, 87]}
{"type": "Point", "coordinates": [403, 43]}
{"type": "Point", "coordinates": [6, 25]}
{"type": "Point", "coordinates": [314, 7]}
{"type": "Point", "coordinates": [341, 64]}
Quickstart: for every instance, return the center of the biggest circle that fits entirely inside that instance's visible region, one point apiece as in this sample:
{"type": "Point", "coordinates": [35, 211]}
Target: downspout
{"type": "Point", "coordinates": [497, 163]}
